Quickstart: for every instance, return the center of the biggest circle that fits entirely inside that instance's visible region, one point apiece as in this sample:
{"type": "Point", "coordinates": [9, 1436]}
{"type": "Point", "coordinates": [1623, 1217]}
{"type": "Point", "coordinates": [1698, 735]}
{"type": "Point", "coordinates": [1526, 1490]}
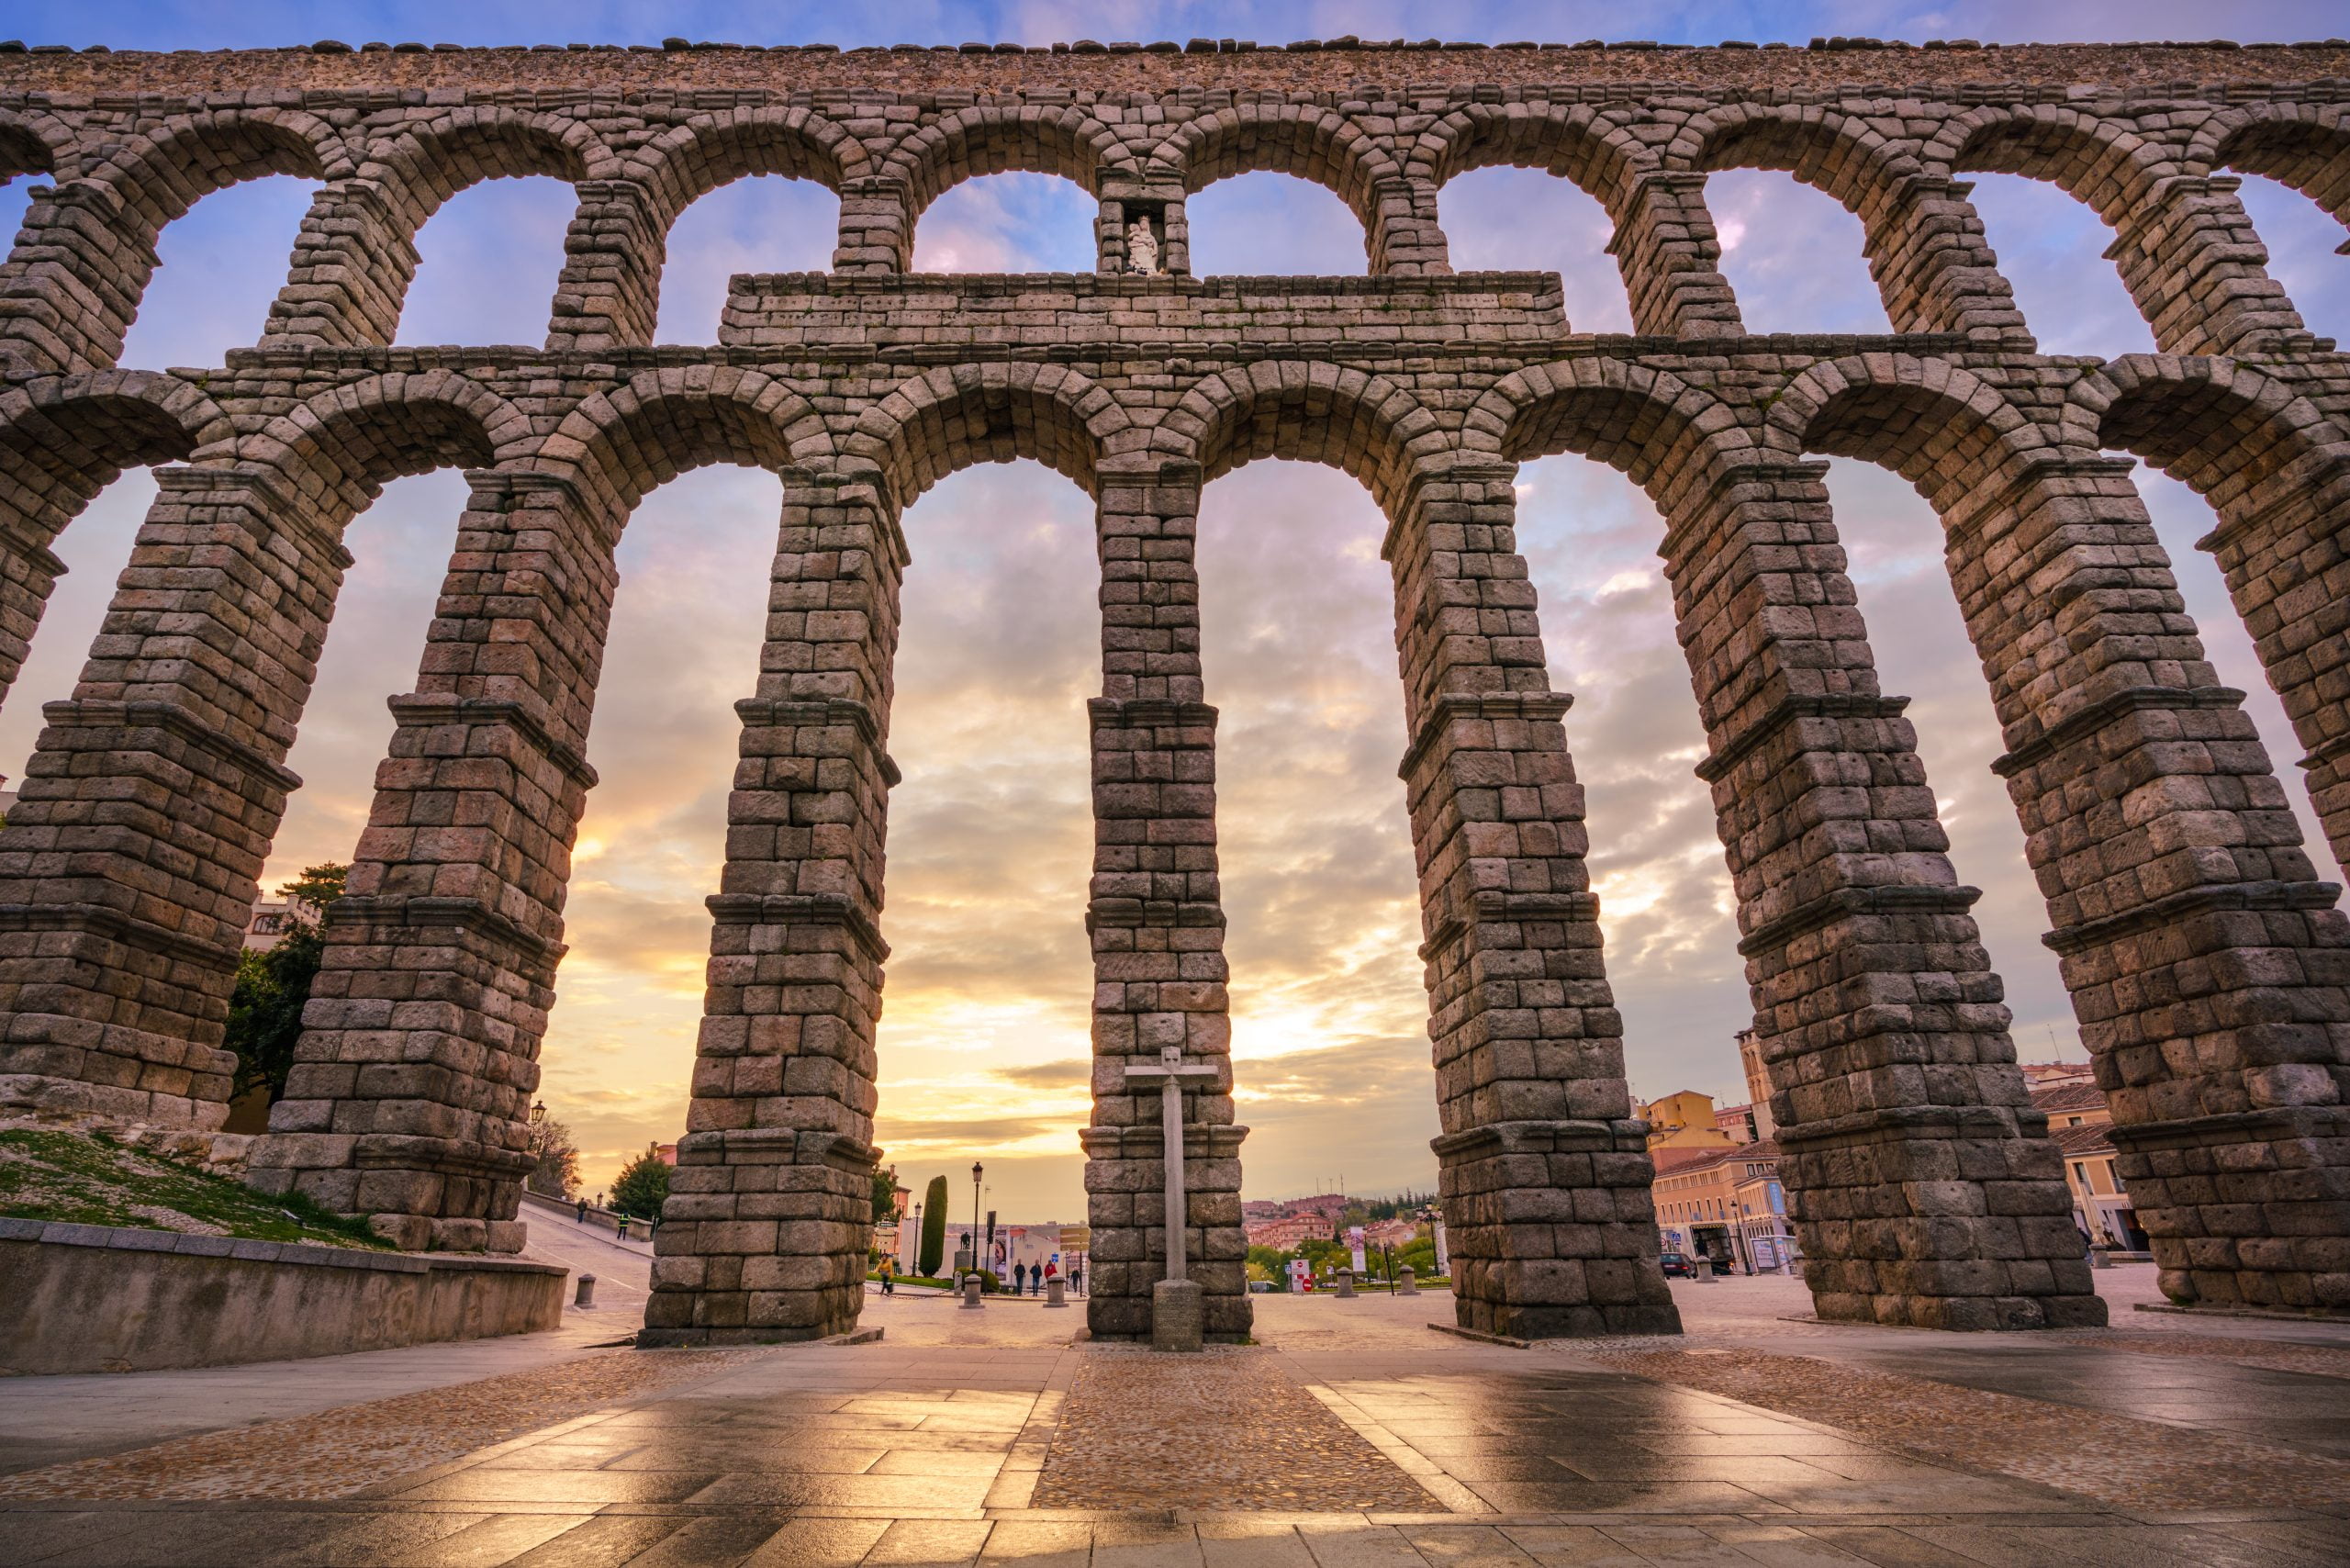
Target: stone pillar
{"type": "Point", "coordinates": [72, 284]}
{"type": "Point", "coordinates": [1407, 238]}
{"type": "Point", "coordinates": [1665, 244]}
{"type": "Point", "coordinates": [353, 264]}
{"type": "Point", "coordinates": [2281, 544]}
{"type": "Point", "coordinates": [2200, 274]}
{"type": "Point", "coordinates": [1936, 270]}
{"type": "Point", "coordinates": [609, 293]}
{"type": "Point", "coordinates": [129, 864]}
{"type": "Point", "coordinates": [1922, 1183]}
{"type": "Point", "coordinates": [1543, 1170]}
{"type": "Point", "coordinates": [2209, 967]}
{"type": "Point", "coordinates": [29, 572]}
{"type": "Point", "coordinates": [877, 227]}
{"type": "Point", "coordinates": [1156, 916]}
{"type": "Point", "coordinates": [769, 1213]}
{"type": "Point", "coordinates": [409, 1101]}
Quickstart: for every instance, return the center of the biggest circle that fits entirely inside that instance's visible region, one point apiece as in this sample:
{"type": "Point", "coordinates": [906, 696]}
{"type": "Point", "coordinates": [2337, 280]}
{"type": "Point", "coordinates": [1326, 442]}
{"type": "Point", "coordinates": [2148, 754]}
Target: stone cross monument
{"type": "Point", "coordinates": [1175, 1301]}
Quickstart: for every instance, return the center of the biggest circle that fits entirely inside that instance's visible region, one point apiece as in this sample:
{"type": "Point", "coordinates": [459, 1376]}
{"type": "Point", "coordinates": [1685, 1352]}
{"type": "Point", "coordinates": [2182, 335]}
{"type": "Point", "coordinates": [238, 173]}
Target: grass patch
{"type": "Point", "coordinates": [91, 1178]}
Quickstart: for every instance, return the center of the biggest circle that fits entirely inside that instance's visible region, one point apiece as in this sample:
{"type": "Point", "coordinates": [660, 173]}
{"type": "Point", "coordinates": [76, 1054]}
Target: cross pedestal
{"type": "Point", "coordinates": [1175, 1306]}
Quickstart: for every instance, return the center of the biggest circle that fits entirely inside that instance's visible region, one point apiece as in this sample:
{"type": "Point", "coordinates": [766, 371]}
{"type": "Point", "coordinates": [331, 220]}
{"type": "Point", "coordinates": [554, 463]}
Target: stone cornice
{"type": "Point", "coordinates": [2093, 716]}
{"type": "Point", "coordinates": [2185, 904]}
{"type": "Point", "coordinates": [801, 909]}
{"type": "Point", "coordinates": [1845, 904]}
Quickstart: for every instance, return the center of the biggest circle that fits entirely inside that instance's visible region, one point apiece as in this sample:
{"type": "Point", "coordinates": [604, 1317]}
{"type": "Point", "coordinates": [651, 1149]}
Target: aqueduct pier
{"type": "Point", "coordinates": [2205, 958]}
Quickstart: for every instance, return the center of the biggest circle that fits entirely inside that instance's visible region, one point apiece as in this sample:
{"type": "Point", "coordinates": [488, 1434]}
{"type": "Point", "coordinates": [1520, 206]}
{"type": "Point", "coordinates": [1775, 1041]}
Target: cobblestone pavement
{"type": "Point", "coordinates": [980, 1438]}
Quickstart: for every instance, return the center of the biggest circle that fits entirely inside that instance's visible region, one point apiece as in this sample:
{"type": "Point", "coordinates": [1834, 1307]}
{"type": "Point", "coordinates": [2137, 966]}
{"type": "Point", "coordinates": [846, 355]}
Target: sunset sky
{"type": "Point", "coordinates": [984, 1037]}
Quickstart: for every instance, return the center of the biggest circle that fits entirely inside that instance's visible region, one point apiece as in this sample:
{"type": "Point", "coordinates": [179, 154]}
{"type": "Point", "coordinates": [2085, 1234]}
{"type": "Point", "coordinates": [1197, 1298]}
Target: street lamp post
{"type": "Point", "coordinates": [977, 1171]}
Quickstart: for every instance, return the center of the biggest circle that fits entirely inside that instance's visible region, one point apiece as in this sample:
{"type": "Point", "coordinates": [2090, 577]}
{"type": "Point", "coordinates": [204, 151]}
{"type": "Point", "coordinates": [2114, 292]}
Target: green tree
{"type": "Point", "coordinates": [885, 1195]}
{"type": "Point", "coordinates": [933, 1228]}
{"type": "Point", "coordinates": [643, 1186]}
{"type": "Point", "coordinates": [272, 987]}
{"type": "Point", "coordinates": [557, 1175]}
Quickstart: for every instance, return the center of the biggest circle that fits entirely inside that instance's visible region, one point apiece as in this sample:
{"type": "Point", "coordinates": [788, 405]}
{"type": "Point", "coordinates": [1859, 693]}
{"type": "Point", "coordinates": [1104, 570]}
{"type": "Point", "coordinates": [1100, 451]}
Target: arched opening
{"type": "Point", "coordinates": [1012, 222]}
{"type": "Point", "coordinates": [400, 548]}
{"type": "Point", "coordinates": [218, 268]}
{"type": "Point", "coordinates": [1329, 1013]}
{"type": "Point", "coordinates": [1794, 255]}
{"type": "Point", "coordinates": [1666, 904]}
{"type": "Point", "coordinates": [1530, 219]}
{"type": "Point", "coordinates": [2051, 247]}
{"type": "Point", "coordinates": [487, 262]}
{"type": "Point", "coordinates": [760, 224]}
{"type": "Point", "coordinates": [94, 548]}
{"type": "Point", "coordinates": [2305, 247]}
{"type": "Point", "coordinates": [74, 481]}
{"type": "Point", "coordinates": [683, 647]}
{"type": "Point", "coordinates": [984, 1042]}
{"type": "Point", "coordinates": [2181, 517]}
{"type": "Point", "coordinates": [1893, 540]}
{"type": "Point", "coordinates": [1266, 224]}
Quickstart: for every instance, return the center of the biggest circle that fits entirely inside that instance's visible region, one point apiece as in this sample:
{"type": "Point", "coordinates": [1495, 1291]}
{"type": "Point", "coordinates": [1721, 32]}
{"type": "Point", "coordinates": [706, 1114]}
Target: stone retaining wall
{"type": "Point", "coordinates": [87, 1298]}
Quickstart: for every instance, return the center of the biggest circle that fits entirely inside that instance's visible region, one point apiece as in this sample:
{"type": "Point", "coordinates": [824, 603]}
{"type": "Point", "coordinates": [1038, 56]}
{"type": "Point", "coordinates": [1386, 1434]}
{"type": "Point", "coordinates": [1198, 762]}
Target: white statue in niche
{"type": "Point", "coordinates": [1142, 246]}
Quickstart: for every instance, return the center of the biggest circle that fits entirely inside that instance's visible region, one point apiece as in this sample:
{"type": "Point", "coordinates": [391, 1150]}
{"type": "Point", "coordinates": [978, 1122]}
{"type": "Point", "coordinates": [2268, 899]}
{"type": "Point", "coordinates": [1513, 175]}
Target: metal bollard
{"type": "Point", "coordinates": [1407, 1280]}
{"type": "Point", "coordinates": [1056, 1292]}
{"type": "Point", "coordinates": [971, 1292]}
{"type": "Point", "coordinates": [587, 1293]}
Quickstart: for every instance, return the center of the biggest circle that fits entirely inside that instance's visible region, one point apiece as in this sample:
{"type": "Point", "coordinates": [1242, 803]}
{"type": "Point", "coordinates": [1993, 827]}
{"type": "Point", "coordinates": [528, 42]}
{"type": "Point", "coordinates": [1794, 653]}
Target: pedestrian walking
{"type": "Point", "coordinates": [1020, 1279]}
{"type": "Point", "coordinates": [583, 1209]}
{"type": "Point", "coordinates": [1077, 1276]}
{"type": "Point", "coordinates": [888, 1276]}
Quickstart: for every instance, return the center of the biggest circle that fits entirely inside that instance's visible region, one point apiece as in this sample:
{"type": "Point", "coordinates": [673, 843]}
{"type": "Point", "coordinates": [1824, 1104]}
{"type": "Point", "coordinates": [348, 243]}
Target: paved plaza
{"type": "Point", "coordinates": [1351, 1434]}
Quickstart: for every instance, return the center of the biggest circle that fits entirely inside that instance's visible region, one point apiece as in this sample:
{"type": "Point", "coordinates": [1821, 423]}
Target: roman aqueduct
{"type": "Point", "coordinates": [2206, 960]}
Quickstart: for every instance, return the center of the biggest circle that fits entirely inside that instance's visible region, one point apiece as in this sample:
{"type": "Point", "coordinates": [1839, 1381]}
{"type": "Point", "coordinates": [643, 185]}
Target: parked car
{"type": "Point", "coordinates": [1677, 1263]}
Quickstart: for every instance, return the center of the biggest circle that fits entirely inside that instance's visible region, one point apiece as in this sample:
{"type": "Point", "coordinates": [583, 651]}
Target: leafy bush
{"type": "Point", "coordinates": [643, 1187]}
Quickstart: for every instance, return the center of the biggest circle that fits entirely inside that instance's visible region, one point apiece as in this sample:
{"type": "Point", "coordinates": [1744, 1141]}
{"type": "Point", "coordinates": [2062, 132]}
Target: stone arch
{"type": "Point", "coordinates": [63, 440]}
{"type": "Point", "coordinates": [1923, 242]}
{"type": "Point", "coordinates": [1935, 423]}
{"type": "Point", "coordinates": [631, 441]}
{"type": "Point", "coordinates": [341, 446]}
{"type": "Point", "coordinates": [1362, 424]}
{"type": "Point", "coordinates": [953, 417]}
{"type": "Point", "coordinates": [1831, 151]}
{"type": "Point", "coordinates": [85, 295]}
{"type": "Point", "coordinates": [2105, 166]}
{"type": "Point", "coordinates": [967, 144]}
{"type": "Point", "coordinates": [27, 149]}
{"type": "Point", "coordinates": [162, 174]}
{"type": "Point", "coordinates": [1316, 144]}
{"type": "Point", "coordinates": [2305, 146]}
{"type": "Point", "coordinates": [2185, 249]}
{"type": "Point", "coordinates": [2222, 427]}
{"type": "Point", "coordinates": [2276, 470]}
{"type": "Point", "coordinates": [688, 161]}
{"type": "Point", "coordinates": [1649, 424]}
{"type": "Point", "coordinates": [1578, 143]}
{"type": "Point", "coordinates": [426, 164]}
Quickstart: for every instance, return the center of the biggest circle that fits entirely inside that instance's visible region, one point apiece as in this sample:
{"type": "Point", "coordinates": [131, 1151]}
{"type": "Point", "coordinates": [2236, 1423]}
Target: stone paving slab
{"type": "Point", "coordinates": [965, 1440]}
